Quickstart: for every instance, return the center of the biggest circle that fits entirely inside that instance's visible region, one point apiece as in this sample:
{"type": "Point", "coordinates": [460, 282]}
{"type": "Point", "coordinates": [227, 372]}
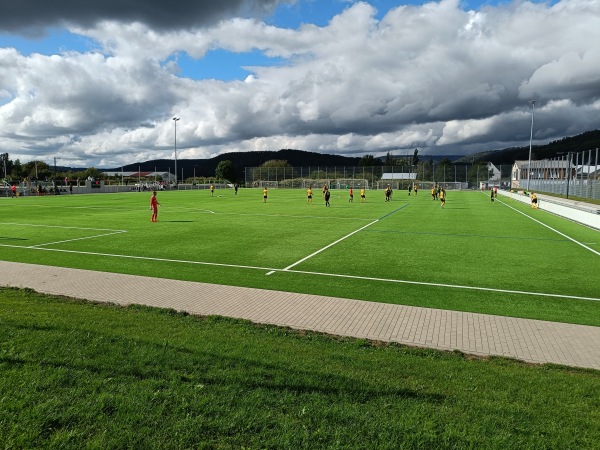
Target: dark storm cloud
{"type": "Point", "coordinates": [32, 16]}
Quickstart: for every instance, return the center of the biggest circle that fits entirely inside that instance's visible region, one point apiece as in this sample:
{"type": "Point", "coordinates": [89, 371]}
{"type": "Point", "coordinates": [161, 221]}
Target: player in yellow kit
{"type": "Point", "coordinates": [362, 196]}
{"type": "Point", "coordinates": [265, 192]}
{"type": "Point", "coordinates": [309, 194]}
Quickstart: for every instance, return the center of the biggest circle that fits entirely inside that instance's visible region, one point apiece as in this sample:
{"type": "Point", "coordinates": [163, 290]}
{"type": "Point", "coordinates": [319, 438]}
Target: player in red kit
{"type": "Point", "coordinates": [154, 206]}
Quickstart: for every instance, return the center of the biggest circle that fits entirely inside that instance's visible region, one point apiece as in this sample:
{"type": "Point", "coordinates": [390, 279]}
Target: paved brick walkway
{"type": "Point", "coordinates": [528, 340]}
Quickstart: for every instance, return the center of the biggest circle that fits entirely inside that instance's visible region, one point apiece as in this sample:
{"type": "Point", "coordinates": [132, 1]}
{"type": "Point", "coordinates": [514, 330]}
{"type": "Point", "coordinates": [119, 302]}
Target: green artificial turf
{"type": "Point", "coordinates": [82, 375]}
{"type": "Point", "coordinates": [472, 255]}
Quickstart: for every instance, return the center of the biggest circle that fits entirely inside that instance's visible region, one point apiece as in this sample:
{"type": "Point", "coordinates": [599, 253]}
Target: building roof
{"type": "Point", "coordinates": [399, 176]}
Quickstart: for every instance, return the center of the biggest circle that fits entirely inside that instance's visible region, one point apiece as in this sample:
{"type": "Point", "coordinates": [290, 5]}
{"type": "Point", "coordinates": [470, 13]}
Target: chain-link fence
{"type": "Point", "coordinates": [571, 174]}
{"type": "Point", "coordinates": [464, 176]}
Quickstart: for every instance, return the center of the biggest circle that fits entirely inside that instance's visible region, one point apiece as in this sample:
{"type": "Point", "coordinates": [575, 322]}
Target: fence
{"type": "Point", "coordinates": [572, 174]}
{"type": "Point", "coordinates": [376, 177]}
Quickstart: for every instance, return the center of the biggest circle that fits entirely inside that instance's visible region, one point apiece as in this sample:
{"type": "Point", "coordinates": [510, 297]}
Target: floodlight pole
{"type": "Point", "coordinates": [530, 144]}
{"type": "Point", "coordinates": [175, 119]}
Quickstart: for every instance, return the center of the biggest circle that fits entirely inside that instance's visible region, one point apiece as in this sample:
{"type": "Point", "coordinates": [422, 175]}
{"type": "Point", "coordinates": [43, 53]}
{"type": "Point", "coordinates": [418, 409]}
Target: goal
{"type": "Point", "coordinates": [315, 183]}
{"type": "Point", "coordinates": [354, 183]}
{"type": "Point", "coordinates": [268, 184]}
{"type": "Point", "coordinates": [452, 185]}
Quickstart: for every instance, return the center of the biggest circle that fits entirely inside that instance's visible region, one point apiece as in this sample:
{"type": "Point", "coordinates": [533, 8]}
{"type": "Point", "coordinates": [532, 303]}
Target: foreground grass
{"type": "Point", "coordinates": [81, 375]}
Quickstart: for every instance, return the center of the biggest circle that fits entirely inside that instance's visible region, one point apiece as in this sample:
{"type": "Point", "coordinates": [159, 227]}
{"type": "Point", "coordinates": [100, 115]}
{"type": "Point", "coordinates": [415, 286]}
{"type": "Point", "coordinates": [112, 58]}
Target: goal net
{"type": "Point", "coordinates": [268, 184]}
{"type": "Point", "coordinates": [315, 183]}
{"type": "Point", "coordinates": [452, 185]}
{"type": "Point", "coordinates": [354, 183]}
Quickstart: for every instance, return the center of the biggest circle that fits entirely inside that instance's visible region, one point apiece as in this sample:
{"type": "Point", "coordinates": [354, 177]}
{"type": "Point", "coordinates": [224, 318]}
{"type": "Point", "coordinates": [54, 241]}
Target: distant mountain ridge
{"type": "Point", "coordinates": [241, 160]}
{"type": "Point", "coordinates": [590, 140]}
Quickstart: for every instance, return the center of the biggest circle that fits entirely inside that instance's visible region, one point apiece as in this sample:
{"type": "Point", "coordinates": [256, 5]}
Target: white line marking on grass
{"type": "Point", "coordinates": [284, 215]}
{"type": "Point", "coordinates": [341, 239]}
{"type": "Point", "coordinates": [453, 286]}
{"type": "Point", "coordinates": [328, 246]}
{"type": "Point", "coordinates": [553, 229]}
{"type": "Point", "coordinates": [78, 239]}
{"type": "Point", "coordinates": [61, 226]}
{"type": "Point", "coordinates": [146, 258]}
{"type": "Point", "coordinates": [355, 277]}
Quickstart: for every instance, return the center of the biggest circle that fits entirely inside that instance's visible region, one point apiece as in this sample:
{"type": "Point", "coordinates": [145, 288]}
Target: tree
{"type": "Point", "coordinates": [36, 170]}
{"type": "Point", "coordinates": [415, 160]}
{"type": "Point", "coordinates": [369, 161]}
{"type": "Point", "coordinates": [276, 163]}
{"type": "Point", "coordinates": [389, 160]}
{"type": "Point", "coordinates": [92, 172]}
{"type": "Point", "coordinates": [225, 171]}
{"type": "Point", "coordinates": [4, 162]}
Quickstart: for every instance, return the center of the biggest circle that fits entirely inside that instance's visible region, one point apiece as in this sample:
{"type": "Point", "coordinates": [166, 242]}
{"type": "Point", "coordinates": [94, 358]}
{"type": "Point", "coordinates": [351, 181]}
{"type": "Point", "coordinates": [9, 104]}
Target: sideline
{"type": "Point", "coordinates": [356, 277]}
{"type": "Point", "coordinates": [550, 228]}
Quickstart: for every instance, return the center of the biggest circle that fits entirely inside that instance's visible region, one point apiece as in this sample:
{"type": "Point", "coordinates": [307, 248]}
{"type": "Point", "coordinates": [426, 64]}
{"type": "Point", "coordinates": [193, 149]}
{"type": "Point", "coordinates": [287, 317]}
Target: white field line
{"type": "Point", "coordinates": [550, 228]}
{"type": "Point", "coordinates": [78, 239]}
{"type": "Point", "coordinates": [67, 228]}
{"type": "Point", "coordinates": [453, 286]}
{"type": "Point", "coordinates": [276, 215]}
{"type": "Point", "coordinates": [145, 258]}
{"type": "Point", "coordinates": [340, 239]}
{"type": "Point", "coordinates": [60, 226]}
{"type": "Point", "coordinates": [328, 246]}
{"type": "Point", "coordinates": [354, 277]}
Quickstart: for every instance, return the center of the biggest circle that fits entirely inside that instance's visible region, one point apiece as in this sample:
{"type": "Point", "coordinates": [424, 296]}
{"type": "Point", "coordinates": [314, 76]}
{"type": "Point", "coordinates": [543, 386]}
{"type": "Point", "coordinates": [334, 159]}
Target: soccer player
{"type": "Point", "coordinates": [309, 195]}
{"type": "Point", "coordinates": [534, 201]}
{"type": "Point", "coordinates": [416, 189]}
{"type": "Point", "coordinates": [236, 186]}
{"type": "Point", "coordinates": [324, 190]}
{"type": "Point", "coordinates": [212, 189]}
{"type": "Point", "coordinates": [265, 192]}
{"type": "Point", "coordinates": [154, 207]}
{"type": "Point", "coordinates": [13, 189]}
{"type": "Point", "coordinates": [442, 197]}
{"type": "Point", "coordinates": [388, 192]}
{"type": "Point", "coordinates": [433, 193]}
{"type": "Point", "coordinates": [410, 186]}
{"type": "Point", "coordinates": [327, 195]}
{"type": "Point", "coordinates": [492, 196]}
{"type": "Point", "coordinates": [362, 196]}
{"type": "Point", "coordinates": [351, 199]}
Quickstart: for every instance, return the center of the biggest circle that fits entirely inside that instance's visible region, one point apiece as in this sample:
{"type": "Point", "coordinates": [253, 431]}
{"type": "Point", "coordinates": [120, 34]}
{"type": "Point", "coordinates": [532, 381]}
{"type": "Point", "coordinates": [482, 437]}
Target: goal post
{"type": "Point", "coordinates": [315, 183]}
{"type": "Point", "coordinates": [268, 184]}
{"type": "Point", "coordinates": [354, 183]}
{"type": "Point", "coordinates": [452, 185]}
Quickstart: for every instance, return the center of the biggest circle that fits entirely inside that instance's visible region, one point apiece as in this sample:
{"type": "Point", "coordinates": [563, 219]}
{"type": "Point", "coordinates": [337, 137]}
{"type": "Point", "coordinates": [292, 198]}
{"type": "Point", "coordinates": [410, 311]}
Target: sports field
{"type": "Point", "coordinates": [473, 255]}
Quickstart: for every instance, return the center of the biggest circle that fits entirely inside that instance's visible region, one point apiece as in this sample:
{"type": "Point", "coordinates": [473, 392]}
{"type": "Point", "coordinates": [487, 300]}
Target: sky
{"type": "Point", "coordinates": [97, 83]}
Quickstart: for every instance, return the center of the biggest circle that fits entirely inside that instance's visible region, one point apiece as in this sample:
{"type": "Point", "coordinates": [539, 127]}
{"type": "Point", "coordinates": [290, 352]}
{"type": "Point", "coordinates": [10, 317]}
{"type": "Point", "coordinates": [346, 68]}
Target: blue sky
{"type": "Point", "coordinates": [98, 82]}
{"type": "Point", "coordinates": [219, 64]}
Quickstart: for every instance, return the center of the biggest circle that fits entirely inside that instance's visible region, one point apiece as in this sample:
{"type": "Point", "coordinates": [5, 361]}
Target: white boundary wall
{"type": "Point", "coordinates": [586, 215]}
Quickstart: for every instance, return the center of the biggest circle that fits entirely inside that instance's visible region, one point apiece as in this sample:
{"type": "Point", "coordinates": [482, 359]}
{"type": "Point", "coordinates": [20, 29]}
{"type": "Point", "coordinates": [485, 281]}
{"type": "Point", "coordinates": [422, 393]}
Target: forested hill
{"type": "Point", "coordinates": [589, 140]}
{"type": "Point", "coordinates": [241, 160]}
